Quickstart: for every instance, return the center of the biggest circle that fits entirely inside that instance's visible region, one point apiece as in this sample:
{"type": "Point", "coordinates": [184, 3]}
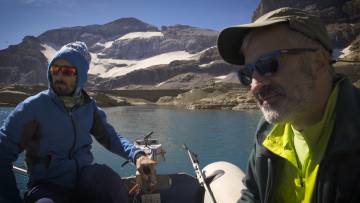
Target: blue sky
{"type": "Point", "coordinates": [19, 18]}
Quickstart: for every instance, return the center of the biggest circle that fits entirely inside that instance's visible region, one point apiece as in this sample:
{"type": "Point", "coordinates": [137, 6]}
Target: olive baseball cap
{"type": "Point", "coordinates": [230, 39]}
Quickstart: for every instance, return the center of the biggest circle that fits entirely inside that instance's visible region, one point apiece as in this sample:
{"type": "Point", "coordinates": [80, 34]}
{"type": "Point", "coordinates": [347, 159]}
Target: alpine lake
{"type": "Point", "coordinates": [214, 135]}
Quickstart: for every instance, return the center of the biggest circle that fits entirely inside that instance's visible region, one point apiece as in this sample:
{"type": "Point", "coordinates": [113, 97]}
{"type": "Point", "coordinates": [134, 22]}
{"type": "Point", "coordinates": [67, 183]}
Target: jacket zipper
{"type": "Point", "coordinates": [71, 151]}
{"type": "Point", "coordinates": [318, 195]}
{"type": "Point", "coordinates": [269, 182]}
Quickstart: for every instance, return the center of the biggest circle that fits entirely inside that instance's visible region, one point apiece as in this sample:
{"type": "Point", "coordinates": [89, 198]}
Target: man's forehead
{"type": "Point", "coordinates": [265, 40]}
{"type": "Point", "coordinates": [276, 32]}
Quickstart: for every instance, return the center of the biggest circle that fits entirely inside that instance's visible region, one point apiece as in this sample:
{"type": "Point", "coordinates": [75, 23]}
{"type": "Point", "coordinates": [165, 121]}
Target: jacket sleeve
{"type": "Point", "coordinates": [11, 135]}
{"type": "Point", "coordinates": [251, 192]}
{"type": "Point", "coordinates": [106, 135]}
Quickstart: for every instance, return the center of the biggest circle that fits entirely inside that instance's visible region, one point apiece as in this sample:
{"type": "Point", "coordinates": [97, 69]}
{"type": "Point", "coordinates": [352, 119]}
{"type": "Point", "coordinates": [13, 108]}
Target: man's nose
{"type": "Point", "coordinates": [257, 82]}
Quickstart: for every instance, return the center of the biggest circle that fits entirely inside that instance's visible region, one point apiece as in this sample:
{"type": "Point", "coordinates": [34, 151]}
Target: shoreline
{"type": "Point", "coordinates": [216, 97]}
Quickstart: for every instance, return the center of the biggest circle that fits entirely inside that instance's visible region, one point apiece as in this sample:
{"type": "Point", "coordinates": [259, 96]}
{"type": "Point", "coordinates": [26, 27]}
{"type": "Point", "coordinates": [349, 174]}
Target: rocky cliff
{"type": "Point", "coordinates": [341, 17]}
{"type": "Point", "coordinates": [170, 39]}
{"type": "Point", "coordinates": [23, 63]}
{"type": "Point", "coordinates": [92, 34]}
{"type": "Point", "coordinates": [125, 53]}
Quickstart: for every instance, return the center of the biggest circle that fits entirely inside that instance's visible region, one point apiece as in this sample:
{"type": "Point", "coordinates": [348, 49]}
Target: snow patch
{"type": "Point", "coordinates": [229, 78]}
{"type": "Point", "coordinates": [158, 85]}
{"type": "Point", "coordinates": [220, 77]}
{"type": "Point", "coordinates": [206, 64]}
{"type": "Point", "coordinates": [98, 65]}
{"type": "Point", "coordinates": [345, 52]}
{"type": "Point", "coordinates": [48, 52]}
{"type": "Point", "coordinates": [106, 44]}
{"type": "Point", "coordinates": [122, 67]}
{"type": "Point", "coordinates": [155, 60]}
{"type": "Point", "coordinates": [134, 35]}
{"type": "Point", "coordinates": [131, 35]}
{"type": "Point", "coordinates": [203, 51]}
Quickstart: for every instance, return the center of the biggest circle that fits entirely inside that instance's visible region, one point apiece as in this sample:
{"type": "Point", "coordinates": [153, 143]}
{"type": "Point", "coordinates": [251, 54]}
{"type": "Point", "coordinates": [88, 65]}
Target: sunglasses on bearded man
{"type": "Point", "coordinates": [63, 69]}
{"type": "Point", "coordinates": [267, 65]}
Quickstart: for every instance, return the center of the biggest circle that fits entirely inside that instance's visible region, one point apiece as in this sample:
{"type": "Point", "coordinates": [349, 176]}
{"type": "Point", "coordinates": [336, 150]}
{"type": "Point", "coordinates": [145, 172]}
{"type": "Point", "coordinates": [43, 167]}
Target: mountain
{"type": "Point", "coordinates": [126, 53]}
{"type": "Point", "coordinates": [23, 63]}
{"type": "Point", "coordinates": [92, 34]}
{"type": "Point", "coordinates": [131, 54]}
{"type": "Point", "coordinates": [140, 45]}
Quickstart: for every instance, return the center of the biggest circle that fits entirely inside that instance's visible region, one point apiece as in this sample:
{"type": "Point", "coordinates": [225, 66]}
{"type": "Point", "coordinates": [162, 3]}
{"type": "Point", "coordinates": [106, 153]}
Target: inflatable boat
{"type": "Point", "coordinates": [218, 182]}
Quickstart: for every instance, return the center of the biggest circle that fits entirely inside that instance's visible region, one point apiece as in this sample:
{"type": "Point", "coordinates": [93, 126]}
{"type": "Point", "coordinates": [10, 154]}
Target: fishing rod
{"type": "Point", "coordinates": [199, 174]}
{"type": "Point", "coordinates": [20, 170]}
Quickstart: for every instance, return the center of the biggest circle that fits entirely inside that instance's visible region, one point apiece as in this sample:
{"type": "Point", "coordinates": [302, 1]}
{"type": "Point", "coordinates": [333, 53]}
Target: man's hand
{"type": "Point", "coordinates": [147, 170]}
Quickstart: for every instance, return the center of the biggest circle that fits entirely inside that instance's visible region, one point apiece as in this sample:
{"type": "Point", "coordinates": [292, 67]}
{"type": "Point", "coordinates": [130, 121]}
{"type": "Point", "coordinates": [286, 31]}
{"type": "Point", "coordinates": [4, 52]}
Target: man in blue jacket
{"type": "Point", "coordinates": [54, 128]}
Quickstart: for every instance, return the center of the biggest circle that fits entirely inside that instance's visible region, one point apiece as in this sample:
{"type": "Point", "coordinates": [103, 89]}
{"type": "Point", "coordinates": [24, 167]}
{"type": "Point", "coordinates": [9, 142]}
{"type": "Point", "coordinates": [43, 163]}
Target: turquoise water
{"type": "Point", "coordinates": [213, 134]}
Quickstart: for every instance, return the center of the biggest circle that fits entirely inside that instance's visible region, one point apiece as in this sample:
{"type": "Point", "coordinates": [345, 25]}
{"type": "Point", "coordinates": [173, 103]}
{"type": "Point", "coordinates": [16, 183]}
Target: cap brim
{"type": "Point", "coordinates": [230, 40]}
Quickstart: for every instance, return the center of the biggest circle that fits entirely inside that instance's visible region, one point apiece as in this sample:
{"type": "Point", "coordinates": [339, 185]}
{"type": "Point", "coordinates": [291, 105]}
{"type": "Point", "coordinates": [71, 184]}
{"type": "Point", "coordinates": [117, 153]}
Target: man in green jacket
{"type": "Point", "coordinates": [307, 146]}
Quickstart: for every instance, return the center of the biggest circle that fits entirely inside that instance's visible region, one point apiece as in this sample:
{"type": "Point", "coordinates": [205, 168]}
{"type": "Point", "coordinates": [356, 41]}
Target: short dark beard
{"type": "Point", "coordinates": [60, 91]}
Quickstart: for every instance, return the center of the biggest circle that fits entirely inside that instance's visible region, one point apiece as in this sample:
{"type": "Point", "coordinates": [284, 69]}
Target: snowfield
{"type": "Point", "coordinates": [108, 68]}
{"type": "Point", "coordinates": [98, 65]}
{"type": "Point", "coordinates": [132, 35]}
{"type": "Point", "coordinates": [143, 35]}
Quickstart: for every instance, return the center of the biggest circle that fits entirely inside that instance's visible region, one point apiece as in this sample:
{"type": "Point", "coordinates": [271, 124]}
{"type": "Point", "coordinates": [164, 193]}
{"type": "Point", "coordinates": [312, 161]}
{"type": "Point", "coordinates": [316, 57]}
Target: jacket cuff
{"type": "Point", "coordinates": [137, 155]}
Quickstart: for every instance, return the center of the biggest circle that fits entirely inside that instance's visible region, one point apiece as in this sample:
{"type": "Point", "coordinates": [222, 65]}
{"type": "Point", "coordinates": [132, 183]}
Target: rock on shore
{"type": "Point", "coordinates": [226, 96]}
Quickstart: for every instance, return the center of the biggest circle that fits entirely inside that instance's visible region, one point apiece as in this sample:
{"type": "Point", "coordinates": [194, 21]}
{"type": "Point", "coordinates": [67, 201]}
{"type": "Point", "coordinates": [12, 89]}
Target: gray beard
{"type": "Point", "coordinates": [290, 109]}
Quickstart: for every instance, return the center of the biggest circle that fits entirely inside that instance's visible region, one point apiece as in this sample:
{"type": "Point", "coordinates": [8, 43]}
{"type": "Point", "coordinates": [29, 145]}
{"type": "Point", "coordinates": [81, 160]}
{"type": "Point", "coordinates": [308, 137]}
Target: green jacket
{"type": "Point", "coordinates": [339, 173]}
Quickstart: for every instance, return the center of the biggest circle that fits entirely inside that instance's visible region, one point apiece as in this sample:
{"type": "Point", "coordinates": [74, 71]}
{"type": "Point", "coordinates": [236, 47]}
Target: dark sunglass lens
{"type": "Point", "coordinates": [267, 67]}
{"type": "Point", "coordinates": [245, 76]}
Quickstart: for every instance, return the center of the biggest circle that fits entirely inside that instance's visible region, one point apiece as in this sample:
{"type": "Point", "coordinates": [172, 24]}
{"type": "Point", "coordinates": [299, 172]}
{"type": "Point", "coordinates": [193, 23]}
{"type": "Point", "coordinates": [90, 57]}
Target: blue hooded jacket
{"type": "Point", "coordinates": [56, 139]}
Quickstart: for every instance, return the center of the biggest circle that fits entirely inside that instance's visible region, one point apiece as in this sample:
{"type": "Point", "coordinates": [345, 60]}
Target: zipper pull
{"type": "Point", "coordinates": [302, 182]}
{"type": "Point", "coordinates": [299, 182]}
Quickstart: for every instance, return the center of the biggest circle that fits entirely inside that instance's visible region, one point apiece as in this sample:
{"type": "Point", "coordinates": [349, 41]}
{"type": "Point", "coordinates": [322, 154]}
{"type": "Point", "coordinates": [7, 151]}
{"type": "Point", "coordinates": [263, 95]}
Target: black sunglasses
{"type": "Point", "coordinates": [267, 64]}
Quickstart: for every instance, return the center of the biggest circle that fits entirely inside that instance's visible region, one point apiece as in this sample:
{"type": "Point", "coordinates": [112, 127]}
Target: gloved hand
{"type": "Point", "coordinates": [147, 170]}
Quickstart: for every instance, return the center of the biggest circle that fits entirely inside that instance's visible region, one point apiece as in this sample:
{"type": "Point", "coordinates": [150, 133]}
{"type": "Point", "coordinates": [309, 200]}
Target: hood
{"type": "Point", "coordinates": [78, 55]}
